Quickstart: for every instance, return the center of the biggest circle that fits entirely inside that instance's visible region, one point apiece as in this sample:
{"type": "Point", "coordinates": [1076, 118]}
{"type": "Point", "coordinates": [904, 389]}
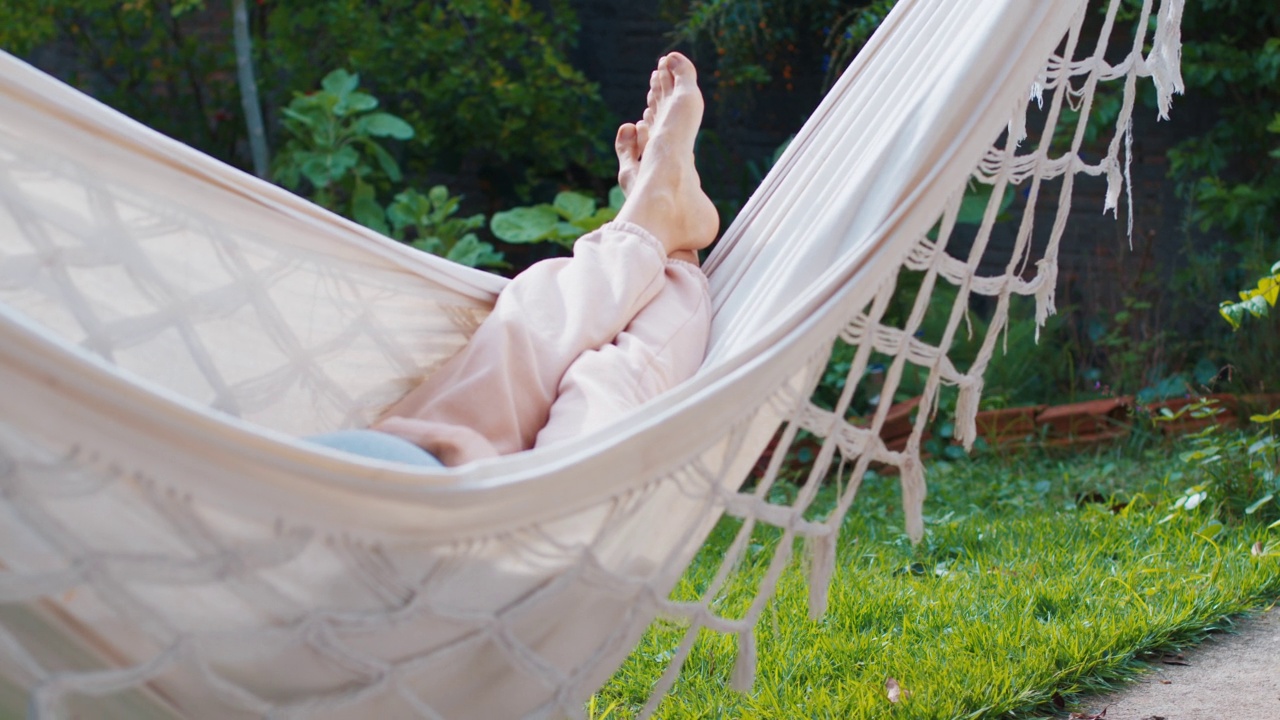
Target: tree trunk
{"type": "Point", "coordinates": [249, 88]}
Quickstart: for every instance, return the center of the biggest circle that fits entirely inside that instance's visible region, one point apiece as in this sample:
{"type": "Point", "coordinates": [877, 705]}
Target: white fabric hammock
{"type": "Point", "coordinates": [169, 325]}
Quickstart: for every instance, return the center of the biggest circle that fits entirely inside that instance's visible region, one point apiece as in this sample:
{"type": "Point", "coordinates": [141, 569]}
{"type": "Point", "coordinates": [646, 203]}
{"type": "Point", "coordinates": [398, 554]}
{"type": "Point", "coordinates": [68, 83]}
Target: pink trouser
{"type": "Point", "coordinates": [571, 346]}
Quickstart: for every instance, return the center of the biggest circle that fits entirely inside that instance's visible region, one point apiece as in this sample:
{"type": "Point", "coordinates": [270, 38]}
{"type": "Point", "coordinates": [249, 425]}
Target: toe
{"type": "Point", "coordinates": [642, 137]}
{"type": "Point", "coordinates": [625, 143]}
{"type": "Point", "coordinates": [649, 116]}
{"type": "Point", "coordinates": [665, 78]}
{"type": "Point", "coordinates": [628, 155]}
{"type": "Point", "coordinates": [681, 70]}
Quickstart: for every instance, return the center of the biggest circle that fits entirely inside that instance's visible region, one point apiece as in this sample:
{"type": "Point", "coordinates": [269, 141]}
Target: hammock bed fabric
{"type": "Point", "coordinates": [169, 326]}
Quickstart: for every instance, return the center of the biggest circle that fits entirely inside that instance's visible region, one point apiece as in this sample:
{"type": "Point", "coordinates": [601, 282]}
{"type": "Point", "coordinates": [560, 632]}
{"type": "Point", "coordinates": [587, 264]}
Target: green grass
{"type": "Point", "coordinates": [1040, 579]}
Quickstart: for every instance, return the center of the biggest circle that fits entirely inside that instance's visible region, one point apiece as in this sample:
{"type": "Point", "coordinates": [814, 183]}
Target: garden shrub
{"type": "Point", "coordinates": [333, 146]}
{"type": "Point", "coordinates": [436, 230]}
{"type": "Point", "coordinates": [151, 59]}
{"type": "Point", "coordinates": [486, 84]}
{"type": "Point", "coordinates": [562, 221]}
{"type": "Point", "coordinates": [1229, 177]}
{"type": "Point", "coordinates": [1235, 474]}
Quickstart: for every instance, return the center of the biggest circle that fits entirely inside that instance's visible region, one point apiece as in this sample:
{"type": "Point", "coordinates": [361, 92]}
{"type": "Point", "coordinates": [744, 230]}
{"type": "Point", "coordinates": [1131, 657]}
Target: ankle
{"type": "Point", "coordinates": [688, 256]}
{"type": "Point", "coordinates": [653, 209]}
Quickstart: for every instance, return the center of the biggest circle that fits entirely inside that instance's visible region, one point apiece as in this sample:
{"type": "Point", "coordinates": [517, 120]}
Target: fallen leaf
{"type": "Point", "coordinates": [1178, 659]}
{"type": "Point", "coordinates": [895, 691]}
{"type": "Point", "coordinates": [1166, 682]}
{"type": "Point", "coordinates": [1086, 716]}
{"type": "Point", "coordinates": [1257, 549]}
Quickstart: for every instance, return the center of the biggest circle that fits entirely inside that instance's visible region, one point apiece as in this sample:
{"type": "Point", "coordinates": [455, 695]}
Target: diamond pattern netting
{"type": "Point", "coordinates": [145, 582]}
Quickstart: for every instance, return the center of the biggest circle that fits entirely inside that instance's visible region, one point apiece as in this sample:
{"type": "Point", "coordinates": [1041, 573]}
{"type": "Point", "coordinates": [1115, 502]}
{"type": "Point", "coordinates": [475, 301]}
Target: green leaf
{"type": "Point", "coordinates": [617, 198]}
{"type": "Point", "coordinates": [366, 210]}
{"type": "Point", "coordinates": [525, 224]}
{"type": "Point", "coordinates": [412, 203]}
{"type": "Point", "coordinates": [388, 164]}
{"type": "Point", "coordinates": [182, 7]}
{"type": "Point", "coordinates": [567, 232]}
{"type": "Point", "coordinates": [315, 168]}
{"type": "Point", "coordinates": [308, 119]}
{"type": "Point", "coordinates": [1256, 306]}
{"type": "Point", "coordinates": [438, 195]}
{"type": "Point", "coordinates": [1254, 507]}
{"type": "Point", "coordinates": [574, 206]}
{"type": "Point", "coordinates": [470, 251]}
{"type": "Point", "coordinates": [340, 82]}
{"type": "Point", "coordinates": [1233, 313]}
{"type": "Point", "coordinates": [602, 216]}
{"type": "Point", "coordinates": [384, 125]}
{"type": "Point", "coordinates": [1269, 289]}
{"type": "Point", "coordinates": [433, 245]}
{"type": "Point", "coordinates": [1211, 529]}
{"type": "Point", "coordinates": [1266, 418]}
{"type": "Point", "coordinates": [356, 102]}
{"type": "Point", "coordinates": [406, 209]}
{"type": "Point", "coordinates": [335, 165]}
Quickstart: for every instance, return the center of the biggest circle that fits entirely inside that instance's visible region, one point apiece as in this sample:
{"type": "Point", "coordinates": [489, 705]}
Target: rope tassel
{"type": "Point", "coordinates": [822, 566]}
{"type": "Point", "coordinates": [913, 492]}
{"type": "Point", "coordinates": [967, 411]}
{"type": "Point", "coordinates": [744, 668]}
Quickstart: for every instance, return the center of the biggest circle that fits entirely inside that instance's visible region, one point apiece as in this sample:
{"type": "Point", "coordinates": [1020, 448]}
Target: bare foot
{"type": "Point", "coordinates": [628, 147]}
{"type": "Point", "coordinates": [664, 193]}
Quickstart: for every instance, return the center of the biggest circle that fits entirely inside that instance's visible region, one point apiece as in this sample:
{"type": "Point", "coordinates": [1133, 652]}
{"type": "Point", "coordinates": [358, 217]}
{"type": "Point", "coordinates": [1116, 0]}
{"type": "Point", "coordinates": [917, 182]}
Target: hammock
{"type": "Point", "coordinates": [169, 326]}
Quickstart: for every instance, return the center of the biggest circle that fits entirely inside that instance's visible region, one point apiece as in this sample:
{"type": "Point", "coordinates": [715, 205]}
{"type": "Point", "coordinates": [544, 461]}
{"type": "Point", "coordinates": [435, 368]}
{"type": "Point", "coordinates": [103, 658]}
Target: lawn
{"type": "Point", "coordinates": [1039, 579]}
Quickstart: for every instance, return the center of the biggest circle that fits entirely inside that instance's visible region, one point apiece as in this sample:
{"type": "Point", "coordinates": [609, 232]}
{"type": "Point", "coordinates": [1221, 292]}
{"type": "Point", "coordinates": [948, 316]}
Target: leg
{"type": "Point", "coordinates": [656, 164]}
{"type": "Point", "coordinates": [498, 391]}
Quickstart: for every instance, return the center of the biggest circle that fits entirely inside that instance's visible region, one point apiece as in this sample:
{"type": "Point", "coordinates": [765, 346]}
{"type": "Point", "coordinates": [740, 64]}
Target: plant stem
{"type": "Point", "coordinates": [249, 88]}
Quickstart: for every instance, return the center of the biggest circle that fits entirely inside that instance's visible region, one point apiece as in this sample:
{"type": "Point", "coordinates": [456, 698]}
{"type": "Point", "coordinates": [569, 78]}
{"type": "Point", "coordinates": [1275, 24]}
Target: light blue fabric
{"type": "Point", "coordinates": [374, 444]}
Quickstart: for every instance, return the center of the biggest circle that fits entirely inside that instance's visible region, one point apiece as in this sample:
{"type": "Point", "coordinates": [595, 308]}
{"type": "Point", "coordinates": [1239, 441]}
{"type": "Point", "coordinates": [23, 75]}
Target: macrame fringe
{"type": "Point", "coordinates": [1128, 176]}
{"type": "Point", "coordinates": [744, 668]}
{"type": "Point", "coordinates": [1045, 294]}
{"type": "Point", "coordinates": [1165, 60]}
{"type": "Point", "coordinates": [913, 492]}
{"type": "Point", "coordinates": [967, 410]}
{"type": "Point", "coordinates": [822, 565]}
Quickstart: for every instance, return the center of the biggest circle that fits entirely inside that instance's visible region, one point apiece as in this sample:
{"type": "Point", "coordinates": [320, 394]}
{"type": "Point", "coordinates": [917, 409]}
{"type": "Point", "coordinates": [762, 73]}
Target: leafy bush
{"type": "Point", "coordinates": [332, 146]}
{"type": "Point", "coordinates": [436, 231]}
{"type": "Point", "coordinates": [570, 216]}
{"type": "Point", "coordinates": [333, 149]}
{"type": "Point", "coordinates": [150, 59]}
{"type": "Point", "coordinates": [1255, 302]}
{"type": "Point", "coordinates": [1235, 473]}
{"type": "Point", "coordinates": [1229, 177]}
{"type": "Point", "coordinates": [1238, 472]}
{"type": "Point", "coordinates": [486, 84]}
